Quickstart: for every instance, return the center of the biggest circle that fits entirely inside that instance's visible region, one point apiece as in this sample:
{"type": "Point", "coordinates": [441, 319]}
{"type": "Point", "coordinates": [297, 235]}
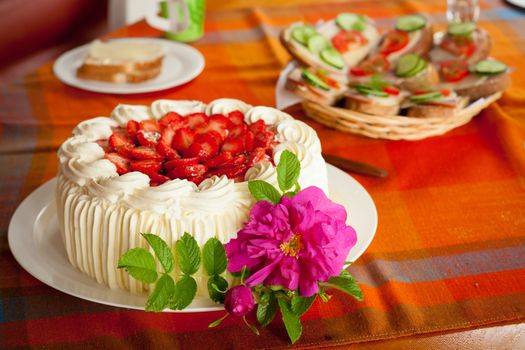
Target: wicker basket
{"type": "Point", "coordinates": [393, 127]}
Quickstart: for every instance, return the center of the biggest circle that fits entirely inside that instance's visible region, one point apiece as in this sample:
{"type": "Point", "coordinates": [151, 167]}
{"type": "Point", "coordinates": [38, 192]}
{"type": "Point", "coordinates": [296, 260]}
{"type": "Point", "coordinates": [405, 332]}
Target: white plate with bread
{"type": "Point", "coordinates": [407, 83]}
{"type": "Point", "coordinates": [129, 66]}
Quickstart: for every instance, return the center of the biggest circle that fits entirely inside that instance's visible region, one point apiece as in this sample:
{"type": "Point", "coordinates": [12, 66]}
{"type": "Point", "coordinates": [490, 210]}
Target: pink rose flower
{"type": "Point", "coordinates": [239, 301]}
{"type": "Point", "coordinates": [294, 244]}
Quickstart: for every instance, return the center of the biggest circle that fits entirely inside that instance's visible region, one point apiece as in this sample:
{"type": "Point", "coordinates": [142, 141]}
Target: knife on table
{"type": "Point", "coordinates": [355, 166]}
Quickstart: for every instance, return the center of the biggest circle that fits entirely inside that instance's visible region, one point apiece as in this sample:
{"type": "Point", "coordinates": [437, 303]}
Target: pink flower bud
{"type": "Point", "coordinates": [239, 301]}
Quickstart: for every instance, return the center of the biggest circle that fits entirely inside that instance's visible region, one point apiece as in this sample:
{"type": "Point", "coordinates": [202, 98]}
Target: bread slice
{"type": "Point", "coordinates": [485, 86]}
{"type": "Point", "coordinates": [382, 106]}
{"type": "Point", "coordinates": [122, 62]}
{"type": "Point", "coordinates": [442, 109]}
{"type": "Point", "coordinates": [297, 84]}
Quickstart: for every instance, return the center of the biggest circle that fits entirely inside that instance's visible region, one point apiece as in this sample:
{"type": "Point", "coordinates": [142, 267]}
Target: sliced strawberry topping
{"type": "Point", "coordinates": [170, 118]}
{"type": "Point", "coordinates": [234, 145]}
{"type": "Point", "coordinates": [145, 152]}
{"type": "Point", "coordinates": [172, 164]}
{"type": "Point", "coordinates": [237, 117]}
{"type": "Point", "coordinates": [132, 127]}
{"type": "Point", "coordinates": [195, 119]}
{"type": "Point", "coordinates": [218, 126]}
{"type": "Point", "coordinates": [166, 151]}
{"type": "Point", "coordinates": [264, 139]}
{"type": "Point", "coordinates": [149, 125]}
{"type": "Point", "coordinates": [184, 172]}
{"type": "Point", "coordinates": [183, 139]}
{"type": "Point", "coordinates": [155, 147]}
{"type": "Point", "coordinates": [157, 179]}
{"type": "Point", "coordinates": [148, 138]}
{"type": "Point", "coordinates": [167, 135]}
{"type": "Point", "coordinates": [258, 155]}
{"type": "Point", "coordinates": [230, 172]}
{"type": "Point", "coordinates": [125, 151]}
{"type": "Point", "coordinates": [221, 120]}
{"type": "Point", "coordinates": [203, 150]}
{"type": "Point", "coordinates": [120, 162]}
{"type": "Point", "coordinates": [196, 179]}
{"type": "Point", "coordinates": [249, 141]}
{"type": "Point", "coordinates": [117, 141]}
{"type": "Point", "coordinates": [223, 158]}
{"type": "Point", "coordinates": [237, 130]}
{"type": "Point", "coordinates": [147, 166]}
{"type": "Point", "coordinates": [257, 127]}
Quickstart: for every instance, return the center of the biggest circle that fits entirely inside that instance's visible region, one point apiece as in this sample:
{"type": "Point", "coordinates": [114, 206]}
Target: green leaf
{"type": "Point", "coordinates": [214, 257]}
{"type": "Point", "coordinates": [188, 254]}
{"type": "Point", "coordinates": [215, 292]}
{"type": "Point", "coordinates": [301, 304]}
{"type": "Point", "coordinates": [162, 251]}
{"type": "Point", "coordinates": [185, 291]}
{"type": "Point", "coordinates": [288, 170]}
{"type": "Point", "coordinates": [140, 264]}
{"type": "Point", "coordinates": [160, 298]}
{"type": "Point", "coordinates": [266, 309]}
{"type": "Point", "coordinates": [263, 191]}
{"type": "Point", "coordinates": [291, 320]}
{"type": "Point", "coordinates": [346, 283]}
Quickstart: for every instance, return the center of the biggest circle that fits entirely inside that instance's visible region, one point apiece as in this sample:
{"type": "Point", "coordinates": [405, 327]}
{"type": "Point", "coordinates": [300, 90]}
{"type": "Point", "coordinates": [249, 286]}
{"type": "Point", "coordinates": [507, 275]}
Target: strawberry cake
{"type": "Point", "coordinates": [170, 168]}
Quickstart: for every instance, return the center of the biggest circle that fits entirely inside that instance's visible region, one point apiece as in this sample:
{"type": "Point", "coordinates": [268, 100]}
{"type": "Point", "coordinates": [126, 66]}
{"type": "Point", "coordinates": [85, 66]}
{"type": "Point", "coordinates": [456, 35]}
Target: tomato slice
{"type": "Point", "coordinates": [391, 90]}
{"type": "Point", "coordinates": [454, 71]}
{"type": "Point", "coordinates": [345, 41]}
{"type": "Point", "coordinates": [445, 92]}
{"type": "Point", "coordinates": [394, 41]}
{"type": "Point", "coordinates": [461, 46]}
{"type": "Point", "coordinates": [376, 64]}
{"type": "Point", "coordinates": [323, 75]}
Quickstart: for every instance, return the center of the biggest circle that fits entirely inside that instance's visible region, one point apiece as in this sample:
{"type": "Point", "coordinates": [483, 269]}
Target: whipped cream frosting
{"type": "Point", "coordinates": [102, 214]}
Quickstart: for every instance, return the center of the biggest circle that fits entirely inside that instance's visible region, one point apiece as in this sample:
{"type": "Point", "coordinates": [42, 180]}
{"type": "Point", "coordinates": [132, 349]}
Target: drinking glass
{"type": "Point", "coordinates": [462, 10]}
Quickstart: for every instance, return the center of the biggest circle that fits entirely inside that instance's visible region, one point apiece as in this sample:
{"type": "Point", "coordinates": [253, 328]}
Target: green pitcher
{"type": "Point", "coordinates": [181, 20]}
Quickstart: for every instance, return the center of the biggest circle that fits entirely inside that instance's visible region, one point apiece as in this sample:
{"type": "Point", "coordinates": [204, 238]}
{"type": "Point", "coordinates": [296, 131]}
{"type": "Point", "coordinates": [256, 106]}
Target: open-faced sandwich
{"type": "Point", "coordinates": [377, 97]}
{"type": "Point", "coordinates": [316, 84]}
{"type": "Point", "coordinates": [414, 73]}
{"type": "Point", "coordinates": [443, 103]}
{"type": "Point", "coordinates": [482, 79]}
{"type": "Point", "coordinates": [463, 41]}
{"type": "Point", "coordinates": [122, 62]}
{"type": "Point", "coordinates": [412, 33]}
{"type": "Point", "coordinates": [335, 45]}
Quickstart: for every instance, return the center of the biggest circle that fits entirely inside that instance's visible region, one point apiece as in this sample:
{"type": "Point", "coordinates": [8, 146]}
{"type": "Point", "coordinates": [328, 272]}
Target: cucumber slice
{"type": "Point", "coordinates": [461, 28]}
{"type": "Point", "coordinates": [423, 98]}
{"type": "Point", "coordinates": [332, 57]}
{"type": "Point", "coordinates": [351, 21]}
{"type": "Point", "coordinates": [411, 23]}
{"type": "Point", "coordinates": [368, 90]}
{"type": "Point", "coordinates": [302, 33]}
{"type": "Point", "coordinates": [375, 93]}
{"type": "Point", "coordinates": [314, 80]}
{"type": "Point", "coordinates": [421, 66]}
{"type": "Point", "coordinates": [409, 65]}
{"type": "Point", "coordinates": [317, 43]}
{"type": "Point", "coordinates": [490, 67]}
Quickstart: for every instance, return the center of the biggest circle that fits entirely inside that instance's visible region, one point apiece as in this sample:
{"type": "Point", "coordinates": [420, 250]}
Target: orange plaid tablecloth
{"type": "Point", "coordinates": [450, 248]}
